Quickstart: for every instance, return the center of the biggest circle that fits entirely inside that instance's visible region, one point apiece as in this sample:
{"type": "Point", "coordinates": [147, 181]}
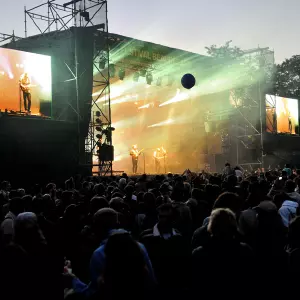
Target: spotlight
{"type": "Point", "coordinates": [136, 76]}
{"type": "Point", "coordinates": [85, 15]}
{"type": "Point", "coordinates": [143, 73]}
{"type": "Point", "coordinates": [99, 136]}
{"type": "Point", "coordinates": [159, 81]}
{"type": "Point", "coordinates": [102, 63]}
{"type": "Point", "coordinates": [170, 80]}
{"type": "Point", "coordinates": [149, 78]}
{"type": "Point", "coordinates": [98, 144]}
{"type": "Point", "coordinates": [98, 121]}
{"type": "Point", "coordinates": [112, 70]}
{"type": "Point", "coordinates": [98, 113]}
{"type": "Point", "coordinates": [98, 128]}
{"type": "Point", "coordinates": [121, 74]}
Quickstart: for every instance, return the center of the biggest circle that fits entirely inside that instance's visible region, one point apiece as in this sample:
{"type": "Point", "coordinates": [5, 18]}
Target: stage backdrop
{"type": "Point", "coordinates": [13, 64]}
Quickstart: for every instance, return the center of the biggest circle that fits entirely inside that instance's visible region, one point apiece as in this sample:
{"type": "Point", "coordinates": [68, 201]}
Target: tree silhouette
{"type": "Point", "coordinates": [287, 78]}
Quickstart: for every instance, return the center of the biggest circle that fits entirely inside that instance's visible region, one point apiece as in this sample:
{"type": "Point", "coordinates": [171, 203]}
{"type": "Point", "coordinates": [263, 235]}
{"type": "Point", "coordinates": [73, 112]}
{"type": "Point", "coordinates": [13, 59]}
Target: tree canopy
{"type": "Point", "coordinates": [287, 78]}
{"type": "Point", "coordinates": [284, 77]}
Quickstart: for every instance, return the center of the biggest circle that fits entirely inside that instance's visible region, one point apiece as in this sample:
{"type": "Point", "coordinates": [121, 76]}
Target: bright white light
{"type": "Point", "coordinates": [167, 122]}
{"type": "Point", "coordinates": [39, 67]}
{"type": "Point", "coordinates": [17, 65]}
{"type": "Point", "coordinates": [144, 106]}
{"type": "Point", "coordinates": [2, 73]}
{"type": "Point", "coordinates": [11, 76]}
{"type": "Point", "coordinates": [21, 66]}
{"type": "Point", "coordinates": [178, 98]}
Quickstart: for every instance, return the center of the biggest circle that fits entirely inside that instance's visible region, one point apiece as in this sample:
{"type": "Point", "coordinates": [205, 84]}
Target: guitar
{"type": "Point", "coordinates": [161, 157]}
{"type": "Point", "coordinates": [136, 153]}
{"type": "Point", "coordinates": [26, 87]}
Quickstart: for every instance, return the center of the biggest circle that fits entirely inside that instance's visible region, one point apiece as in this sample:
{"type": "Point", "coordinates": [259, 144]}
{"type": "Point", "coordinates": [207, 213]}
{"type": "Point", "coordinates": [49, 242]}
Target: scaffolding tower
{"type": "Point", "coordinates": [243, 132]}
{"type": "Point", "coordinates": [8, 38]}
{"type": "Point", "coordinates": [55, 18]}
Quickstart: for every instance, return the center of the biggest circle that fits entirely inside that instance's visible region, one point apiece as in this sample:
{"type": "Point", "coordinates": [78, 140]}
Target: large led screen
{"type": "Point", "coordinates": [25, 82]}
{"type": "Point", "coordinates": [282, 114]}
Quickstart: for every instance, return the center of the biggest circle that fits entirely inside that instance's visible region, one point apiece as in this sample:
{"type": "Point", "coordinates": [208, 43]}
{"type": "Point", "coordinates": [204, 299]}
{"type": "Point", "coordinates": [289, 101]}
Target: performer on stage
{"type": "Point", "coordinates": [159, 155]}
{"type": "Point", "coordinates": [25, 84]}
{"type": "Point", "coordinates": [135, 153]}
{"type": "Point", "coordinates": [290, 123]}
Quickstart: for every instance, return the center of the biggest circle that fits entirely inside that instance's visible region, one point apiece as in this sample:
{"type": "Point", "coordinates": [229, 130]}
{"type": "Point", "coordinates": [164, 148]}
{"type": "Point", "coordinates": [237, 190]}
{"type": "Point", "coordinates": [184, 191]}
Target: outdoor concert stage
{"type": "Point", "coordinates": [142, 103]}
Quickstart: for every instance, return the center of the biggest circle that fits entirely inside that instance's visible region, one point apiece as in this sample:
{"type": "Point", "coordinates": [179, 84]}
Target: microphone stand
{"type": "Point", "coordinates": [20, 96]}
{"type": "Point", "coordinates": [144, 163]}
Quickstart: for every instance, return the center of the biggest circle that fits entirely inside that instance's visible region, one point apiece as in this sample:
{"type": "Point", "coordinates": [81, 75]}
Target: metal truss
{"type": "Point", "coordinates": [247, 119]}
{"type": "Point", "coordinates": [56, 18]}
{"type": "Point", "coordinates": [271, 122]}
{"type": "Point", "coordinates": [100, 129]}
{"type": "Point", "coordinates": [51, 16]}
{"type": "Point", "coordinates": [250, 105]}
{"type": "Point", "coordinates": [8, 38]}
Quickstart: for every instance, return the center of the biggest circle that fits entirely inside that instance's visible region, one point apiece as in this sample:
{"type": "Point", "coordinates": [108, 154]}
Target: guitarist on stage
{"type": "Point", "coordinates": [159, 154]}
{"type": "Point", "coordinates": [135, 153]}
{"type": "Point", "coordinates": [25, 84]}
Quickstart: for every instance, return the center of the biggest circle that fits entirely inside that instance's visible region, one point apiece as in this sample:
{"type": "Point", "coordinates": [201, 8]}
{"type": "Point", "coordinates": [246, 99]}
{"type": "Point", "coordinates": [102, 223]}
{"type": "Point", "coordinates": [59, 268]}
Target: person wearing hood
{"type": "Point", "coordinates": [290, 187]}
{"type": "Point", "coordinates": [106, 224]}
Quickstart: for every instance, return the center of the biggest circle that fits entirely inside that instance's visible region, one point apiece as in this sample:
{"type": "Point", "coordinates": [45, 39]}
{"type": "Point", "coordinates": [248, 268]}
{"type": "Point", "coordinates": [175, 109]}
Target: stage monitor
{"type": "Point", "coordinates": [282, 115]}
{"type": "Point", "coordinates": [25, 77]}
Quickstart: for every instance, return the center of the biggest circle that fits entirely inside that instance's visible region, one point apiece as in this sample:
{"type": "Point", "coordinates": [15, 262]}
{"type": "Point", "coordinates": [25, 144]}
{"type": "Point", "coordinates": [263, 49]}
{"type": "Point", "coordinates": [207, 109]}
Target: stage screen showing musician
{"type": "Point", "coordinates": [25, 82]}
{"type": "Point", "coordinates": [282, 115]}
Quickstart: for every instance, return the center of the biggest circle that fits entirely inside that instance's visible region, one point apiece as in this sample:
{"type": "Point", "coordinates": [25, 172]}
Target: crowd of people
{"type": "Point", "coordinates": [145, 237]}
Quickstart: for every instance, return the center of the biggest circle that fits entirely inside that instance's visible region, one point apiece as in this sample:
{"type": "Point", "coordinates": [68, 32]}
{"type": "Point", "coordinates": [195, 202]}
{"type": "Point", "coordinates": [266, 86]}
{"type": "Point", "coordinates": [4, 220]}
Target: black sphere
{"type": "Point", "coordinates": [188, 81]}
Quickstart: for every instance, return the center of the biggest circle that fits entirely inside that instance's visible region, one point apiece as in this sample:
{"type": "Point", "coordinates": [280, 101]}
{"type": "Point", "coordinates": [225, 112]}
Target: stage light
{"type": "Point", "coordinates": [112, 128]}
{"type": "Point", "coordinates": [159, 81]}
{"type": "Point", "coordinates": [170, 80]}
{"type": "Point", "coordinates": [99, 136]}
{"type": "Point", "coordinates": [17, 65]}
{"type": "Point", "coordinates": [98, 113]}
{"type": "Point", "coordinates": [136, 76]}
{"type": "Point", "coordinates": [121, 73]}
{"type": "Point", "coordinates": [102, 63]}
{"type": "Point", "coordinates": [21, 66]}
{"type": "Point", "coordinates": [143, 73]}
{"type": "Point", "coordinates": [98, 121]}
{"type": "Point", "coordinates": [2, 73]}
{"type": "Point", "coordinates": [85, 15]}
{"type": "Point", "coordinates": [98, 128]}
{"type": "Point", "coordinates": [112, 70]}
{"type": "Point", "coordinates": [149, 78]}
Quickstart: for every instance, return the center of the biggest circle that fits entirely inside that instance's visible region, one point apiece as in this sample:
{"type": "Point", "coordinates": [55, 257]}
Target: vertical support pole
{"type": "Point", "coordinates": [77, 86]}
{"type": "Point", "coordinates": [48, 16]}
{"type": "Point", "coordinates": [108, 79]}
{"type": "Point", "coordinates": [25, 21]}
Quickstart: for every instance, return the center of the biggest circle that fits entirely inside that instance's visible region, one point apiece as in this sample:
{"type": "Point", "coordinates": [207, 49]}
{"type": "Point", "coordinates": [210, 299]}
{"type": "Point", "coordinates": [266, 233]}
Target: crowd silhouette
{"type": "Point", "coordinates": [147, 237]}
